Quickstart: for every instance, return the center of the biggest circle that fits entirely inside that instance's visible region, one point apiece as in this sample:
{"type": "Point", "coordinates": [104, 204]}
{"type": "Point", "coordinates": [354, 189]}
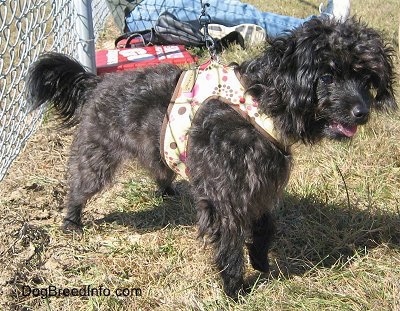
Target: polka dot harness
{"type": "Point", "coordinates": [194, 88]}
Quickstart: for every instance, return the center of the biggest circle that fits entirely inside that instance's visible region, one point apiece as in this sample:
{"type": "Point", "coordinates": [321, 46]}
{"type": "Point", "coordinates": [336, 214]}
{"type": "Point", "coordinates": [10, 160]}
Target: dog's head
{"type": "Point", "coordinates": [324, 79]}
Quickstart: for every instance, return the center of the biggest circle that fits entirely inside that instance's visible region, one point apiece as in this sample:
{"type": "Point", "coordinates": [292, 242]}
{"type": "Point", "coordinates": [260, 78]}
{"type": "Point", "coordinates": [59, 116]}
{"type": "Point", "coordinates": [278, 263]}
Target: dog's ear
{"type": "Point", "coordinates": [283, 80]}
{"type": "Point", "coordinates": [296, 75]}
{"type": "Point", "coordinates": [384, 98]}
{"type": "Point", "coordinates": [373, 58]}
{"type": "Point", "coordinates": [377, 60]}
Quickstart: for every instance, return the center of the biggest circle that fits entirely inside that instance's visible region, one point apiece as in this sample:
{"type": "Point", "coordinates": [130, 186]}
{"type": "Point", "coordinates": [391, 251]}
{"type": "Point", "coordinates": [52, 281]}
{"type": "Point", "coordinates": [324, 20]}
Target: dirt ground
{"type": "Point", "coordinates": [137, 242]}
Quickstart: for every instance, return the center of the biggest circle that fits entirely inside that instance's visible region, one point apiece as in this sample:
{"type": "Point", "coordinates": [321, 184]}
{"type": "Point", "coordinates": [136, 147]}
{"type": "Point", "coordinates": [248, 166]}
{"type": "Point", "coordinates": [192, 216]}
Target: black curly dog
{"type": "Point", "coordinates": [320, 80]}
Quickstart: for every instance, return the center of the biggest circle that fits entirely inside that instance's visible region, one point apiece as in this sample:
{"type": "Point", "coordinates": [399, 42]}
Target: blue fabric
{"type": "Point", "coordinates": [224, 12]}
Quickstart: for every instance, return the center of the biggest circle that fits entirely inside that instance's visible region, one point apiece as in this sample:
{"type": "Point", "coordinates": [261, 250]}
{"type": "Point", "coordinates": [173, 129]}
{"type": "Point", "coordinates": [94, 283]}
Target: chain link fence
{"type": "Point", "coordinates": [27, 29]}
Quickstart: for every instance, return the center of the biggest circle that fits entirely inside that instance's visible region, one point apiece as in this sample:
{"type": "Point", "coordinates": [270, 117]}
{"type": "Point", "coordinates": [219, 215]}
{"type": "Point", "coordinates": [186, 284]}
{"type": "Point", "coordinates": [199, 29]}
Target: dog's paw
{"type": "Point", "coordinates": [258, 259]}
{"type": "Point", "coordinates": [69, 226]}
{"type": "Point", "coordinates": [260, 265]}
{"type": "Point", "coordinates": [167, 192]}
{"type": "Point", "coordinates": [237, 293]}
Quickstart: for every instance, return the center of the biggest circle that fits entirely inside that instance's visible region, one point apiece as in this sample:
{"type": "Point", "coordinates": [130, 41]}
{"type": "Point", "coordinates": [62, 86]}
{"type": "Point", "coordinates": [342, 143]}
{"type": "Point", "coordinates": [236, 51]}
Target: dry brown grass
{"type": "Point", "coordinates": [337, 246]}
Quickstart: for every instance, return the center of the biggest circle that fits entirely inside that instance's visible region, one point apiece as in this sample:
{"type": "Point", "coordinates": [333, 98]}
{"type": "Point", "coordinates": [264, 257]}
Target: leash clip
{"type": "Point", "coordinates": [205, 20]}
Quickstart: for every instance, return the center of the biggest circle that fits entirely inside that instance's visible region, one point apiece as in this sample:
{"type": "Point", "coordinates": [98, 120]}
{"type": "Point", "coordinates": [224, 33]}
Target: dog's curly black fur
{"type": "Point", "coordinates": [320, 80]}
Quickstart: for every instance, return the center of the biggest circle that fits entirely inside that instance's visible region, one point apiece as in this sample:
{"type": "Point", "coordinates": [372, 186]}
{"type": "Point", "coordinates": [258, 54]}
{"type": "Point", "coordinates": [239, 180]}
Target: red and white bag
{"type": "Point", "coordinates": [131, 58]}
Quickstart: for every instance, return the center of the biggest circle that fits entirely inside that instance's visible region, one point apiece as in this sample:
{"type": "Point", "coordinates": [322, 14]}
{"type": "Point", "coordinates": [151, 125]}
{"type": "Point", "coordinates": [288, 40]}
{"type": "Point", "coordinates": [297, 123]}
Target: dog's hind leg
{"type": "Point", "coordinates": [91, 168]}
{"type": "Point", "coordinates": [262, 233]}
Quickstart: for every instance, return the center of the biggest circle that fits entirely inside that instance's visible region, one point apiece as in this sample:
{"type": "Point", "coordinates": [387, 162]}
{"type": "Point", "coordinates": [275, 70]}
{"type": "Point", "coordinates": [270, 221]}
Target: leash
{"type": "Point", "coordinates": [205, 20]}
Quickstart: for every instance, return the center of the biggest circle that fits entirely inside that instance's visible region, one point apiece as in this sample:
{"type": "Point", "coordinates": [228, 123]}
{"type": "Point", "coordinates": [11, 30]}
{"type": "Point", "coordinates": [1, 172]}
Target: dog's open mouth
{"type": "Point", "coordinates": [345, 130]}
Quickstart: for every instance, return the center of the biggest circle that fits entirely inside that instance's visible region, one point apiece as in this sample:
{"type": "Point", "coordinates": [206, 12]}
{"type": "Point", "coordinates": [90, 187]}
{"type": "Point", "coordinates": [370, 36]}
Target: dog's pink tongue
{"type": "Point", "coordinates": [348, 131]}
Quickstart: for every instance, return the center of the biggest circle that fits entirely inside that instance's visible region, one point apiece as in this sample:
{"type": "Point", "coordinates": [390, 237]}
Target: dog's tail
{"type": "Point", "coordinates": [59, 81]}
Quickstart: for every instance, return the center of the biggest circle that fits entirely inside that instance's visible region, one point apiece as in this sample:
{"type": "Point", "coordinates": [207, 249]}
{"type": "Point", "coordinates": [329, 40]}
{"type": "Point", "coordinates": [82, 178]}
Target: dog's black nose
{"type": "Point", "coordinates": [360, 112]}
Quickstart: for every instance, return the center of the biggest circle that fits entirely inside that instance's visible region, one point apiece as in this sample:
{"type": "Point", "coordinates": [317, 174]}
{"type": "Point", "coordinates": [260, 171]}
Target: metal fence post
{"type": "Point", "coordinates": [84, 29]}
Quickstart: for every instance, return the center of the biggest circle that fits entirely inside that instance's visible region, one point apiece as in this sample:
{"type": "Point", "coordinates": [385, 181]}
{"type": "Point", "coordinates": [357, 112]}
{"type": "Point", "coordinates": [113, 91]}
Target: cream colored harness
{"type": "Point", "coordinates": [195, 87]}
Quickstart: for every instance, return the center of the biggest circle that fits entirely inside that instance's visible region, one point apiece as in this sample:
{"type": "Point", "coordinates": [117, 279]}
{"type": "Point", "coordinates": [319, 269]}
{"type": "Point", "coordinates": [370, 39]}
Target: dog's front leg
{"type": "Point", "coordinates": [229, 257]}
{"type": "Point", "coordinates": [262, 232]}
{"type": "Point", "coordinates": [227, 239]}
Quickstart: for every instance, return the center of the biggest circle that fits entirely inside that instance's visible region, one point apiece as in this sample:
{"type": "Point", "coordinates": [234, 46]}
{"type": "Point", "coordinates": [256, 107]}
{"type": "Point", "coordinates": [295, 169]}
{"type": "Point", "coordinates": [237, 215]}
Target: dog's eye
{"type": "Point", "coordinates": [327, 79]}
